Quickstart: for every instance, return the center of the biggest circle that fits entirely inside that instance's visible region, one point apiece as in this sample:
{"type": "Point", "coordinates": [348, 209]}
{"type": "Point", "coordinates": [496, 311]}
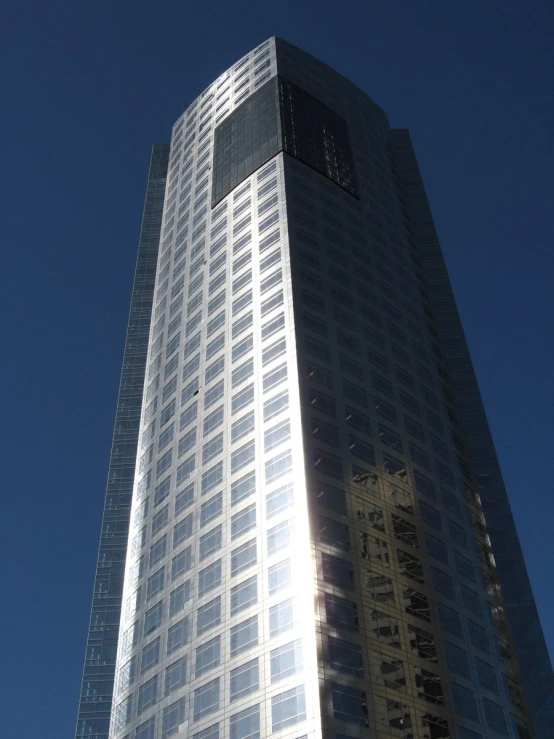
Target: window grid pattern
{"type": "Point", "coordinates": [204, 569]}
{"type": "Point", "coordinates": [402, 557]}
{"type": "Point", "coordinates": [386, 462]}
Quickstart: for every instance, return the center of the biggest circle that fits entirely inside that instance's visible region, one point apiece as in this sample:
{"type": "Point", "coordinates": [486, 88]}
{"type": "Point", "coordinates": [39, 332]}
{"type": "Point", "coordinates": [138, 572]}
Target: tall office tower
{"type": "Point", "coordinates": [298, 503]}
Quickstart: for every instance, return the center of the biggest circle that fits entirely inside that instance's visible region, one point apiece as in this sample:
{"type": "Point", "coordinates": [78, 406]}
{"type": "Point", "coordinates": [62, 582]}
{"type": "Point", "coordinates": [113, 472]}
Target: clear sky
{"type": "Point", "coordinates": [86, 87]}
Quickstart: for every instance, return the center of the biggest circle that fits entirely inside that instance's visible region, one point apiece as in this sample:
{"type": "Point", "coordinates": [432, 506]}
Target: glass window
{"type": "Point", "coordinates": [209, 578]}
{"type": "Point", "coordinates": [470, 599]}
{"type": "Point", "coordinates": [486, 675]}
{"type": "Point", "coordinates": [212, 448]}
{"type": "Point", "coordinates": [211, 509]}
{"type": "Point", "coordinates": [271, 352]}
{"type": "Point", "coordinates": [244, 680]}
{"type": "Point", "coordinates": [243, 557]}
{"type": "Point", "coordinates": [345, 657]}
{"type": "Point", "coordinates": [215, 346]}
{"type": "Point", "coordinates": [361, 450]}
{"type": "Point", "coordinates": [286, 660]}
{"type": "Point", "coordinates": [162, 491]}
{"type": "Point", "coordinates": [243, 426]}
{"type": "Point", "coordinates": [337, 571]}
{"type": "Point", "coordinates": [212, 732]}
{"type": "Point", "coordinates": [155, 583]}
{"type": "Point", "coordinates": [477, 634]}
{"type": "Point", "coordinates": [219, 320]}
{"type": "Point", "coordinates": [211, 478]}
{"type": "Point", "coordinates": [494, 716]}
{"type": "Point", "coordinates": [273, 326]}
{"type": "Point", "coordinates": [214, 394]}
{"type": "Point", "coordinates": [166, 437]}
{"type": "Point", "coordinates": [278, 538]}
{"type": "Point", "coordinates": [178, 598]}
{"type": "Point", "coordinates": [281, 618]}
{"type": "Point", "coordinates": [279, 500]}
{"type": "Point", "coordinates": [147, 729]}
{"type": "Point", "coordinates": [242, 398]}
{"type": "Point", "coordinates": [206, 699]}
{"type": "Point", "coordinates": [160, 519]}
{"type": "Point", "coordinates": [191, 367]}
{"type": "Point", "coordinates": [464, 702]}
{"type": "Point", "coordinates": [242, 373]}
{"type": "Point", "coordinates": [181, 563]}
{"type": "Point", "coordinates": [274, 377]}
{"type": "Point", "coordinates": [207, 656]}
{"type": "Point", "coordinates": [245, 724]}
{"type": "Point", "coordinates": [164, 463]}
{"type": "Point", "coordinates": [243, 521]}
{"type": "Point", "coordinates": [243, 456]}
{"type": "Point", "coordinates": [178, 635]}
{"type": "Point", "coordinates": [215, 369]}
{"type": "Point", "coordinates": [173, 717]}
{"type": "Point", "coordinates": [456, 659]}
{"type": "Point", "coordinates": [330, 497]}
{"type": "Point", "coordinates": [185, 469]}
{"type": "Point", "coordinates": [147, 695]}
{"type": "Point", "coordinates": [210, 542]}
{"type": "Point", "coordinates": [150, 655]}
{"type": "Point", "coordinates": [450, 620]}
{"type": "Point", "coordinates": [443, 583]}
{"type": "Point", "coordinates": [349, 705]}
{"type": "Point", "coordinates": [271, 303]}
{"type": "Point", "coordinates": [243, 487]}
{"type": "Point", "coordinates": [341, 613]}
{"type": "Point", "coordinates": [153, 618]}
{"type": "Point", "coordinates": [278, 466]}
{"type": "Point", "coordinates": [244, 595]}
{"type": "Point", "coordinates": [464, 566]}
{"type": "Point", "coordinates": [288, 708]}
{"type": "Point", "coordinates": [279, 576]}
{"type": "Point", "coordinates": [436, 548]}
{"type": "Point", "coordinates": [182, 530]}
{"type": "Point", "coordinates": [242, 348]}
{"type": "Point", "coordinates": [241, 324]}
{"type": "Point", "coordinates": [208, 616]}
{"type": "Point", "coordinates": [184, 499]}
{"type": "Point", "coordinates": [276, 405]}
{"type": "Point", "coordinates": [175, 675]}
{"type": "Point", "coordinates": [188, 416]}
{"type": "Point", "coordinates": [186, 442]}
{"type": "Point", "coordinates": [158, 551]}
{"type": "Point", "coordinates": [167, 413]}
{"type": "Point", "coordinates": [244, 636]}
{"type": "Point", "coordinates": [334, 533]}
{"type": "Point", "coordinates": [276, 435]}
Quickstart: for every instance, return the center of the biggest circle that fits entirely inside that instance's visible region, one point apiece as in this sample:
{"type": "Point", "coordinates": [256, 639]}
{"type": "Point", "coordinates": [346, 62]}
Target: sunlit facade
{"type": "Point", "coordinates": [293, 501]}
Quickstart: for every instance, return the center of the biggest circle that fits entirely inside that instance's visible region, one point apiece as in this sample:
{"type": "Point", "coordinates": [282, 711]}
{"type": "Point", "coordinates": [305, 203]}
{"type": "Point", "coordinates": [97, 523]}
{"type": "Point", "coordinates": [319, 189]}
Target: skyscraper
{"type": "Point", "coordinates": [302, 483]}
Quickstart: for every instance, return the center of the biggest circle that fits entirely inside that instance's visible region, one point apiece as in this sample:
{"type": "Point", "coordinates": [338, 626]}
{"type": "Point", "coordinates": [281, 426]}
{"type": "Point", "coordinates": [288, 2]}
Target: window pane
{"type": "Point", "coordinates": [286, 660]}
{"type": "Point", "coordinates": [244, 595]}
{"type": "Point", "coordinates": [244, 680]}
{"type": "Point", "coordinates": [208, 616]}
{"type": "Point", "coordinates": [246, 724]}
{"type": "Point", "coordinates": [244, 636]}
{"type": "Point", "coordinates": [288, 708]}
{"type": "Point", "coordinates": [206, 699]}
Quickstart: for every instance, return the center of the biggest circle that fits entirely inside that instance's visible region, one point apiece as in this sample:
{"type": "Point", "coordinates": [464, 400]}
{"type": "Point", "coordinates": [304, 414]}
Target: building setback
{"type": "Point", "coordinates": [302, 483]}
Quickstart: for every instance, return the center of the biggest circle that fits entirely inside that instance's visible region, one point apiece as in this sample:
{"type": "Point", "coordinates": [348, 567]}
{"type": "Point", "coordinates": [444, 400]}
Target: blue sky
{"type": "Point", "coordinates": [86, 88]}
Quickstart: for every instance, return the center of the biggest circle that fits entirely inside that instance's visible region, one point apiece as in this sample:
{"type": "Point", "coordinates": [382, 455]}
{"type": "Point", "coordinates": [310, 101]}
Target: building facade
{"type": "Point", "coordinates": [294, 540]}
